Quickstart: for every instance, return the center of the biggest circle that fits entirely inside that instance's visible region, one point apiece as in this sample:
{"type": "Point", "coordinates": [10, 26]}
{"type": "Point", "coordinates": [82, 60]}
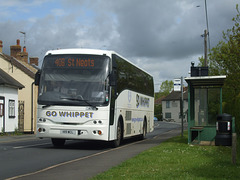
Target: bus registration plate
{"type": "Point", "coordinates": [73, 132]}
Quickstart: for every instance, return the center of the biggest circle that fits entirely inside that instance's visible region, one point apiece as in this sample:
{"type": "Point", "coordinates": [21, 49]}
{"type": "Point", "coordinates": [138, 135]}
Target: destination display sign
{"type": "Point", "coordinates": [74, 62]}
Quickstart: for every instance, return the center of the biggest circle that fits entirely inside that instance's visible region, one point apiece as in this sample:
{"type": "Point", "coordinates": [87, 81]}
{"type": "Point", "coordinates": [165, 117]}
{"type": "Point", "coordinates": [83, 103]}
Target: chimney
{"type": "Point", "coordinates": [34, 60]}
{"type": "Point", "coordinates": [1, 46]}
{"type": "Point", "coordinates": [23, 56]}
{"type": "Point", "coordinates": [15, 49]}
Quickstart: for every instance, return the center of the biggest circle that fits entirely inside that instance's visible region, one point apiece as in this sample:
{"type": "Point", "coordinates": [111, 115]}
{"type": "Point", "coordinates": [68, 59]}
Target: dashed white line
{"type": "Point", "coordinates": [21, 147]}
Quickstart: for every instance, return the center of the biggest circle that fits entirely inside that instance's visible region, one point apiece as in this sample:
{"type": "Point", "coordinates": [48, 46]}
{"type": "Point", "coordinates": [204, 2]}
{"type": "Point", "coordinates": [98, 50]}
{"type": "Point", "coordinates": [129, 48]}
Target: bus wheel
{"type": "Point", "coordinates": [58, 142]}
{"type": "Point", "coordinates": [117, 142]}
{"type": "Point", "coordinates": [143, 135]}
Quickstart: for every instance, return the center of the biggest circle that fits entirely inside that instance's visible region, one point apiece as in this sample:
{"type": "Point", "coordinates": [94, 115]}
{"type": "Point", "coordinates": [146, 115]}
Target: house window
{"type": "Point", "coordinates": [174, 104]}
{"type": "Point", "coordinates": [168, 115]}
{"type": "Point", "coordinates": [1, 110]}
{"type": "Point", "coordinates": [167, 104]}
{"type": "Point", "coordinates": [11, 109]}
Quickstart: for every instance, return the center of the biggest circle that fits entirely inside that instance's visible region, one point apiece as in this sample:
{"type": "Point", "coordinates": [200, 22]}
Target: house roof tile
{"type": "Point", "coordinates": [159, 100]}
{"type": "Point", "coordinates": [175, 95]}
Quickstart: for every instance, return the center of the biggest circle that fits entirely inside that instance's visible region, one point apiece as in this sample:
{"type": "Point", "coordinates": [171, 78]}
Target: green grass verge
{"type": "Point", "coordinates": [175, 159]}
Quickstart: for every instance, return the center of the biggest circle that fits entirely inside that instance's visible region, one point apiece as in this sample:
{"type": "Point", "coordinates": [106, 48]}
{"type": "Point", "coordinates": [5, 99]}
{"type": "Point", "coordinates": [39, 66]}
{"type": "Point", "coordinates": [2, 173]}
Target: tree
{"type": "Point", "coordinates": [224, 59]}
{"type": "Point", "coordinates": [166, 88]}
{"type": "Point", "coordinates": [158, 111]}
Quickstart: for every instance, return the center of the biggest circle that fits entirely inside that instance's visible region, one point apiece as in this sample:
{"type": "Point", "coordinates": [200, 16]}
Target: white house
{"type": "Point", "coordinates": [8, 102]}
{"type": "Point", "coordinates": [16, 65]}
{"type": "Point", "coordinates": [171, 106]}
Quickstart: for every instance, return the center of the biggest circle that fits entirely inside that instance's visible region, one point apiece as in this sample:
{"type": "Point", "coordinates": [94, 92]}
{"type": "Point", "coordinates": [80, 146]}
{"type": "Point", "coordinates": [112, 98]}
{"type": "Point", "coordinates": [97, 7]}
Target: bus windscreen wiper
{"type": "Point", "coordinates": [78, 99]}
{"type": "Point", "coordinates": [47, 105]}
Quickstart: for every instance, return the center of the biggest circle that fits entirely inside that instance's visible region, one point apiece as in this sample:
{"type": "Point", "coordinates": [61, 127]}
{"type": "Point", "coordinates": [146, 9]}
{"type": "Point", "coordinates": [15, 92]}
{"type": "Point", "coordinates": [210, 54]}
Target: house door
{"type": "Point", "coordinates": [21, 116]}
{"type": "Point", "coordinates": [2, 119]}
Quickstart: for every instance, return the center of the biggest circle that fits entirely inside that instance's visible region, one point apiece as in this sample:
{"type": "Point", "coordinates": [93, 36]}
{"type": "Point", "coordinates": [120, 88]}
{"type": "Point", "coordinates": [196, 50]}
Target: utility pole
{"type": "Point", "coordinates": [205, 48]}
{"type": "Point", "coordinates": [207, 24]}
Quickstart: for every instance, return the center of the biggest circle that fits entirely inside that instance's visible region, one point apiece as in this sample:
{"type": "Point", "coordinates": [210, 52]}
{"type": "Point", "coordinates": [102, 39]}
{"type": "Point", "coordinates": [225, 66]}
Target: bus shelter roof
{"type": "Point", "coordinates": [206, 81]}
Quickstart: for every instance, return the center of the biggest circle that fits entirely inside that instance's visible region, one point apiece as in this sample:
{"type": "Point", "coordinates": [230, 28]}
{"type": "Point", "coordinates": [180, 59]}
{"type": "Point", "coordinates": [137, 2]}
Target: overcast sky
{"type": "Point", "coordinates": [161, 36]}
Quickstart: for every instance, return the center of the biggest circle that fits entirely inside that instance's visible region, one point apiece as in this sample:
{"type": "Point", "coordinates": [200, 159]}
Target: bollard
{"type": "Point", "coordinates": [234, 148]}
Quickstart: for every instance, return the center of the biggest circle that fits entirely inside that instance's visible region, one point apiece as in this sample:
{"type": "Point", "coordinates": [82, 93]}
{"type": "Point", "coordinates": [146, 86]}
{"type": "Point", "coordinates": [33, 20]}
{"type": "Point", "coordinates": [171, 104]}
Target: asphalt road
{"type": "Point", "coordinates": [26, 157]}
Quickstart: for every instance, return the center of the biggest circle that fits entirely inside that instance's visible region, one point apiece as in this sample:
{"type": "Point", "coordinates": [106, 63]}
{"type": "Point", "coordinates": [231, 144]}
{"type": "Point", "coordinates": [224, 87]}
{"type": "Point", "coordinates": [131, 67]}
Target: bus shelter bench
{"type": "Point", "coordinates": [197, 129]}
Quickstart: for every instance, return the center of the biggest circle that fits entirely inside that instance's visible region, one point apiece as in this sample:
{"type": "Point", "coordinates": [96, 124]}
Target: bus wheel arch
{"type": "Point", "coordinates": [144, 128]}
{"type": "Point", "coordinates": [119, 133]}
{"type": "Point", "coordinates": [120, 119]}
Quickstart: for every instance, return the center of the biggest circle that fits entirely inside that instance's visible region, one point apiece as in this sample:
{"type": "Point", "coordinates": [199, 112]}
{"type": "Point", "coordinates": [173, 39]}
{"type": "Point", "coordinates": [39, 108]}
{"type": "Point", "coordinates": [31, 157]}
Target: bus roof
{"type": "Point", "coordinates": [80, 51]}
{"type": "Point", "coordinates": [89, 51]}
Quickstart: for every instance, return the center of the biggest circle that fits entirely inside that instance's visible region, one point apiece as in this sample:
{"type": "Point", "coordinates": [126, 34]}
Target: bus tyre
{"type": "Point", "coordinates": [117, 142]}
{"type": "Point", "coordinates": [143, 135]}
{"type": "Point", "coordinates": [58, 142]}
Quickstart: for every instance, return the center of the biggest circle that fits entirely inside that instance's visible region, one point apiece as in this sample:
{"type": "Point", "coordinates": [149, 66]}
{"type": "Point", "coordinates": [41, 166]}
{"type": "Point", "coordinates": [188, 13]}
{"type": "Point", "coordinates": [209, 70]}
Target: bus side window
{"type": "Point", "coordinates": [113, 77]}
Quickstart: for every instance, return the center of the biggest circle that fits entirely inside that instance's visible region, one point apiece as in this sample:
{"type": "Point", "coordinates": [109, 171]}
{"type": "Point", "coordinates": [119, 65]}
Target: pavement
{"type": "Point", "coordinates": [15, 138]}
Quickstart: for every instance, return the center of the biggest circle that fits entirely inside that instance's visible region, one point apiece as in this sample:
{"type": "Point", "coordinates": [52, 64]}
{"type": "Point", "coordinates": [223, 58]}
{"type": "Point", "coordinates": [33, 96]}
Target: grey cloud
{"type": "Point", "coordinates": [161, 36]}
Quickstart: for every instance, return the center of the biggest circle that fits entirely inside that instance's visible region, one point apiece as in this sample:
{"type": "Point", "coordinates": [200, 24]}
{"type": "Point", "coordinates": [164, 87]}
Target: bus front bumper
{"type": "Point", "coordinates": [69, 132]}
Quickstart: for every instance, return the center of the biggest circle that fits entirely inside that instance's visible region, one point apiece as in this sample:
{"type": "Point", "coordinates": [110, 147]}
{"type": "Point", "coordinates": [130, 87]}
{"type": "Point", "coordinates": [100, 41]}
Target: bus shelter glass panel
{"type": "Point", "coordinates": [207, 106]}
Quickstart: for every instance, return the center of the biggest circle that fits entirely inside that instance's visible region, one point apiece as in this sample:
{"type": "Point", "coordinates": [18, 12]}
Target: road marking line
{"type": "Point", "coordinates": [21, 147]}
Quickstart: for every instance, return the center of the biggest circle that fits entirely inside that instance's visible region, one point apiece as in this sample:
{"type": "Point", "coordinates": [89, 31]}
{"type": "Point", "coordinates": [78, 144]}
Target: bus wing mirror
{"type": "Point", "coordinates": [37, 78]}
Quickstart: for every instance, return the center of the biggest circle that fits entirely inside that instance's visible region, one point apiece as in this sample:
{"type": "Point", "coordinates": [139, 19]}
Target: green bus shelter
{"type": "Point", "coordinates": [204, 104]}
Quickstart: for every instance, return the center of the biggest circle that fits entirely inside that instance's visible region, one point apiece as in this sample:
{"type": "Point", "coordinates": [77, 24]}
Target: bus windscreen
{"type": "Point", "coordinates": [79, 80]}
